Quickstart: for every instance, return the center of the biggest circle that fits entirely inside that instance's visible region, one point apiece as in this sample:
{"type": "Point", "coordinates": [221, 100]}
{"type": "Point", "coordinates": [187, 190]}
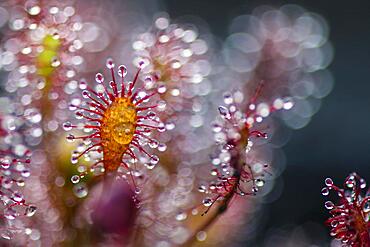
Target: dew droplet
{"type": "Point", "coordinates": [329, 205]}
{"type": "Point", "coordinates": [7, 235]}
{"type": "Point", "coordinates": [329, 182]}
{"type": "Point", "coordinates": [350, 182]}
{"type": "Point", "coordinates": [99, 78]}
{"type": "Point", "coordinates": [75, 179]}
{"type": "Point", "coordinates": [26, 173]}
{"type": "Point", "coordinates": [161, 105]}
{"type": "Point", "coordinates": [202, 188]}
{"type": "Point", "coordinates": [162, 147]}
{"type": "Point", "coordinates": [325, 191]}
{"type": "Point", "coordinates": [224, 112]}
{"type": "Point", "coordinates": [72, 107]}
{"type": "Point", "coordinates": [362, 183]}
{"type": "Point", "coordinates": [20, 182]}
{"type": "Point", "coordinates": [181, 216]}
{"type": "Point", "coordinates": [161, 127]}
{"type": "Point", "coordinates": [207, 202]}
{"type": "Point", "coordinates": [80, 190]}
{"type": "Point", "coordinates": [74, 160]}
{"type": "Point", "coordinates": [67, 126]}
{"type": "Point", "coordinates": [5, 163]}
{"type": "Point", "coordinates": [70, 138]}
{"type": "Point", "coordinates": [30, 210]}
{"type": "Point", "coordinates": [137, 191]}
{"type": "Point", "coordinates": [122, 71]}
{"type": "Point", "coordinates": [154, 159]}
{"type": "Point", "coordinates": [55, 62]}
{"type": "Point", "coordinates": [288, 103]}
{"type": "Point", "coordinates": [17, 197]}
{"type": "Point", "coordinates": [214, 172]}
{"type": "Point", "coordinates": [216, 127]}
{"type": "Point", "coordinates": [110, 64]}
{"type": "Point", "coordinates": [170, 126]}
{"type": "Point", "coordinates": [162, 89]}
{"type": "Point", "coordinates": [82, 85]}
{"type": "Point", "coordinates": [34, 10]}
{"type": "Point", "coordinates": [254, 189]}
{"type": "Point", "coordinates": [148, 80]}
{"type": "Point", "coordinates": [6, 183]}
{"type": "Point", "coordinates": [201, 236]}
{"type": "Point", "coordinates": [153, 144]}
{"type": "Point", "coordinates": [85, 94]}
{"type": "Point", "coordinates": [150, 166]}
{"type": "Point", "coordinates": [10, 213]}
{"type": "Point", "coordinates": [260, 182]}
{"type": "Point", "coordinates": [334, 223]}
{"type": "Point", "coordinates": [228, 99]}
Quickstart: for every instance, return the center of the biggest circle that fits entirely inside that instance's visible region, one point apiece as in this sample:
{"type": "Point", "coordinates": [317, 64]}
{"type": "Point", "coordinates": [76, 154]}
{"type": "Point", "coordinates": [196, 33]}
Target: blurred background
{"type": "Point", "coordinates": [335, 142]}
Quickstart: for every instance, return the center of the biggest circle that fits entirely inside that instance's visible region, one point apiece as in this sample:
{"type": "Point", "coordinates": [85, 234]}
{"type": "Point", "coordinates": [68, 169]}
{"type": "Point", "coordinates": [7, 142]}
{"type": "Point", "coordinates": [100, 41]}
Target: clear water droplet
{"type": "Point", "coordinates": [216, 127]}
{"type": "Point", "coordinates": [6, 234]}
{"type": "Point", "coordinates": [329, 205]}
{"type": "Point", "coordinates": [202, 188]}
{"type": "Point", "coordinates": [350, 182]}
{"type": "Point", "coordinates": [5, 163]}
{"type": "Point", "coordinates": [80, 190]}
{"type": "Point", "coordinates": [214, 172]}
{"type": "Point", "coordinates": [224, 112]}
{"type": "Point", "coordinates": [10, 213]}
{"type": "Point", "coordinates": [148, 79]}
{"type": "Point", "coordinates": [67, 126]}
{"type": "Point", "coordinates": [85, 94]}
{"type": "Point", "coordinates": [74, 159]}
{"type": "Point", "coordinates": [254, 189]}
{"type": "Point", "coordinates": [228, 98]}
{"type": "Point", "coordinates": [82, 85]}
{"type": "Point", "coordinates": [75, 179]}
{"type": "Point", "coordinates": [334, 223]}
{"type": "Point", "coordinates": [30, 210]}
{"type": "Point", "coordinates": [207, 202]}
{"type": "Point", "coordinates": [288, 103]}
{"type": "Point", "coordinates": [154, 159]}
{"type": "Point", "coordinates": [110, 64]}
{"type": "Point", "coordinates": [162, 147]}
{"type": "Point", "coordinates": [329, 182]}
{"type": "Point", "coordinates": [137, 191]}
{"type": "Point", "coordinates": [362, 183]}
{"type": "Point", "coordinates": [150, 166]}
{"type": "Point", "coordinates": [122, 71]}
{"type": "Point", "coordinates": [26, 173]}
{"type": "Point", "coordinates": [153, 144]}
{"type": "Point", "coordinates": [72, 107]}
{"type": "Point", "coordinates": [170, 126]}
{"type": "Point", "coordinates": [325, 191]}
{"type": "Point", "coordinates": [34, 10]}
{"type": "Point", "coordinates": [181, 216]}
{"type": "Point", "coordinates": [162, 89]}
{"type": "Point", "coordinates": [70, 138]}
{"type": "Point", "coordinates": [99, 78]}
{"type": "Point", "coordinates": [201, 236]}
{"type": "Point", "coordinates": [20, 182]}
{"type": "Point", "coordinates": [260, 182]}
{"type": "Point", "coordinates": [17, 197]}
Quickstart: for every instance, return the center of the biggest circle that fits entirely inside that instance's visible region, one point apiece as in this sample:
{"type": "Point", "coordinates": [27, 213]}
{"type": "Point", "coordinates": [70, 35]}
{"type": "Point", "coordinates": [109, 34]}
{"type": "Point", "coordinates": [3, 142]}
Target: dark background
{"type": "Point", "coordinates": [337, 140]}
